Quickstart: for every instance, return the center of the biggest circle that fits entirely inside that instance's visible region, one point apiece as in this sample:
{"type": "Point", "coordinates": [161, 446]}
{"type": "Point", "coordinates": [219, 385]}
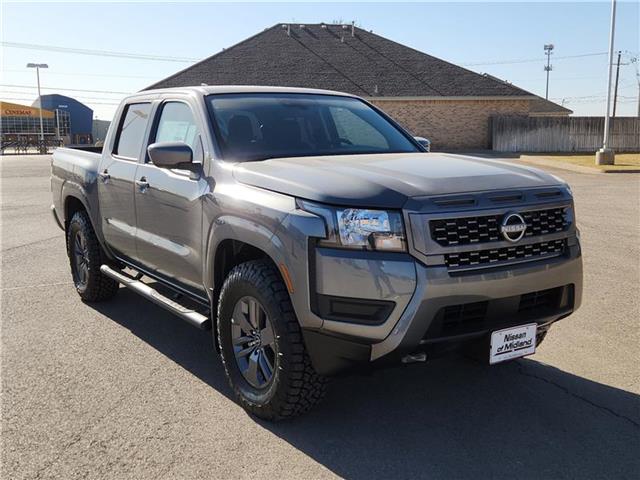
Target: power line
{"type": "Point", "coordinates": [531, 60]}
{"type": "Point", "coordinates": [65, 89]}
{"type": "Point", "coordinates": [18, 92]}
{"type": "Point", "coordinates": [588, 96]}
{"type": "Point", "coordinates": [88, 102]}
{"type": "Point", "coordinates": [100, 53]}
{"type": "Point", "coordinates": [83, 74]}
{"type": "Point", "coordinates": [141, 56]}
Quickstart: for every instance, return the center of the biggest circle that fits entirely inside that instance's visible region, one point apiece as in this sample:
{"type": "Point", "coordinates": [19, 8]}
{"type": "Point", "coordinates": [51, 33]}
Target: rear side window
{"type": "Point", "coordinates": [132, 129]}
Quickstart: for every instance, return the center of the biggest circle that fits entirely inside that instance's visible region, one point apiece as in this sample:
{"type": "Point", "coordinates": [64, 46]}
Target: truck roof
{"type": "Point", "coordinates": [213, 89]}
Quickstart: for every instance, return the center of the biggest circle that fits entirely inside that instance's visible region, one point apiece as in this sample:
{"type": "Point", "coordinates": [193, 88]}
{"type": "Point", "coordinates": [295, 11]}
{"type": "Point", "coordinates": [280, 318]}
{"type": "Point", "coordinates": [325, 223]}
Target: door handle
{"type": "Point", "coordinates": [104, 176]}
{"type": "Point", "coordinates": [142, 184]}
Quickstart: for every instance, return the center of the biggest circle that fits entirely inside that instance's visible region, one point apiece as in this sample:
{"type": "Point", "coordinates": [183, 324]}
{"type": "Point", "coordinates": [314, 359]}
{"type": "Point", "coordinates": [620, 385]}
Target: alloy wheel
{"type": "Point", "coordinates": [253, 342]}
{"type": "Point", "coordinates": [81, 259]}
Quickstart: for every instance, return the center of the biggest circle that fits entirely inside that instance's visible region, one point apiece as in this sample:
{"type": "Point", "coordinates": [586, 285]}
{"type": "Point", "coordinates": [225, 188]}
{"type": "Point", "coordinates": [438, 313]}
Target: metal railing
{"type": "Point", "coordinates": [29, 146]}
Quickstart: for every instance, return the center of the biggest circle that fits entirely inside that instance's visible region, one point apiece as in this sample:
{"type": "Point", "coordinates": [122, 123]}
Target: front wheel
{"type": "Point", "coordinates": [261, 345]}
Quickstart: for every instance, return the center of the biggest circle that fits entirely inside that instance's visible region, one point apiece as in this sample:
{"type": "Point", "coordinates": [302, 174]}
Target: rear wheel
{"type": "Point", "coordinates": [261, 345]}
{"type": "Point", "coordinates": [86, 257]}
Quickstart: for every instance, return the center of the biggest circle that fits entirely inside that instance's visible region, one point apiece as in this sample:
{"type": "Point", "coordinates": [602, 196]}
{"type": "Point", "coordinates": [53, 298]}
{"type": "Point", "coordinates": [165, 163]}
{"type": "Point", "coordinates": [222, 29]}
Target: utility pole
{"type": "Point", "coordinates": [638, 80]}
{"type": "Point", "coordinates": [615, 90]}
{"type": "Point", "coordinates": [38, 66]}
{"type": "Point", "coordinates": [548, 67]}
{"type": "Point", "coordinates": [606, 156]}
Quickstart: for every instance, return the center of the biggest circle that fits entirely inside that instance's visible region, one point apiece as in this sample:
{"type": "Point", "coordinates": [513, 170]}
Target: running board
{"type": "Point", "coordinates": [191, 316]}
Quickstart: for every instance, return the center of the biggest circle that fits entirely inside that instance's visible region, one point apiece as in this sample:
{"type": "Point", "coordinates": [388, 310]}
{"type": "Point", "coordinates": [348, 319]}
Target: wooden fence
{"type": "Point", "coordinates": [562, 134]}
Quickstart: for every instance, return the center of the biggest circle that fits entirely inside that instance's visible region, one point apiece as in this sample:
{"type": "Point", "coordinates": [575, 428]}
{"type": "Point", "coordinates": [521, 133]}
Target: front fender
{"type": "Point", "coordinates": [270, 222]}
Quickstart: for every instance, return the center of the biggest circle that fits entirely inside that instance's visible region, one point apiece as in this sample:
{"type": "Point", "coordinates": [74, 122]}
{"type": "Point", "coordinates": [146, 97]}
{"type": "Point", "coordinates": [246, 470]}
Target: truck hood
{"type": "Point", "coordinates": [387, 180]}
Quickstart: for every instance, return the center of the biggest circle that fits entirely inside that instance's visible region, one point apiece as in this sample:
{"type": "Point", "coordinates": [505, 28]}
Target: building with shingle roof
{"type": "Point", "coordinates": [431, 97]}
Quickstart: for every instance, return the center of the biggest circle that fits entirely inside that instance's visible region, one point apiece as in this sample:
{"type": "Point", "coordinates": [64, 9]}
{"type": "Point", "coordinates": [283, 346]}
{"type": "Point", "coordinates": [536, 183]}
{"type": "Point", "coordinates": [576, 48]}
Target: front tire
{"type": "Point", "coordinates": [86, 257]}
{"type": "Point", "coordinates": [261, 345]}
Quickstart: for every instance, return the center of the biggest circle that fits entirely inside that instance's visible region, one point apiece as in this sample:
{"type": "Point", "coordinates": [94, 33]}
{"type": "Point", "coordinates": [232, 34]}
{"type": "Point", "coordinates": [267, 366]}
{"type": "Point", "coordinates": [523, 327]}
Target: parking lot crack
{"type": "Point", "coordinates": [521, 371]}
{"type": "Point", "coordinates": [4, 250]}
{"type": "Point", "coordinates": [80, 434]}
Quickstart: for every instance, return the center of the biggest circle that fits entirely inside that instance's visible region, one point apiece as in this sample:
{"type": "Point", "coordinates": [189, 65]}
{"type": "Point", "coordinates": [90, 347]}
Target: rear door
{"type": "Point", "coordinates": [169, 202]}
{"type": "Point", "coordinates": [116, 176]}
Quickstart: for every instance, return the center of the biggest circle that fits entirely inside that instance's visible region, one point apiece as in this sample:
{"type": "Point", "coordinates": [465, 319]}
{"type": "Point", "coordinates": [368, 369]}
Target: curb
{"type": "Point", "coordinates": [573, 168]}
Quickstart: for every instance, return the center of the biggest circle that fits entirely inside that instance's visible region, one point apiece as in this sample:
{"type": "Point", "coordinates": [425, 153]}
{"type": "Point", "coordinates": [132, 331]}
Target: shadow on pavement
{"type": "Point", "coordinates": [451, 418]}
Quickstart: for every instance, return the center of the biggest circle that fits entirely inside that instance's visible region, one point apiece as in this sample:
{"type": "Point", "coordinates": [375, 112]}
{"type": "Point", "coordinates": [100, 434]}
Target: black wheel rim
{"type": "Point", "coordinates": [253, 342]}
{"type": "Point", "coordinates": [80, 253]}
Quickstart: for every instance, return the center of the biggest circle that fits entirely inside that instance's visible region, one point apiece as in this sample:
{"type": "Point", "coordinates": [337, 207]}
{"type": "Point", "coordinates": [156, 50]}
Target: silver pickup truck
{"type": "Point", "coordinates": [314, 236]}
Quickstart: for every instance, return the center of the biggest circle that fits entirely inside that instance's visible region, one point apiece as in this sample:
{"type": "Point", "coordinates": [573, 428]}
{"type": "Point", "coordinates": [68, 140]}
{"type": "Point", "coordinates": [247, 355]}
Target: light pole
{"type": "Point", "coordinates": [38, 66]}
{"type": "Point", "coordinates": [605, 155]}
{"type": "Point", "coordinates": [548, 67]}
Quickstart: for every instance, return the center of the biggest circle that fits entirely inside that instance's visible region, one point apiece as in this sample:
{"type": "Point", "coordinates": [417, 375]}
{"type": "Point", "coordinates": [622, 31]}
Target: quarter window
{"type": "Point", "coordinates": [132, 129]}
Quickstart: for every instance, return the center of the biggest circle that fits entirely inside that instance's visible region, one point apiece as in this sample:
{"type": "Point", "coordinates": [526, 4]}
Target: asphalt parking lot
{"type": "Point", "coordinates": [125, 390]}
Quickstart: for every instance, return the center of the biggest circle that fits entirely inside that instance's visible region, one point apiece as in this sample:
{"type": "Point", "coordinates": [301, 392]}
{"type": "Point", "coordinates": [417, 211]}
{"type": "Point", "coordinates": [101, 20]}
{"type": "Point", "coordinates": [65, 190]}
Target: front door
{"type": "Point", "coordinates": [169, 204]}
{"type": "Point", "coordinates": [116, 176]}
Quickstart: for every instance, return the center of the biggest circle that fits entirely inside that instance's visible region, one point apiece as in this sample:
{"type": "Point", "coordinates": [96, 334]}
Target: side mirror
{"type": "Point", "coordinates": [171, 155]}
{"type": "Point", "coordinates": [425, 142]}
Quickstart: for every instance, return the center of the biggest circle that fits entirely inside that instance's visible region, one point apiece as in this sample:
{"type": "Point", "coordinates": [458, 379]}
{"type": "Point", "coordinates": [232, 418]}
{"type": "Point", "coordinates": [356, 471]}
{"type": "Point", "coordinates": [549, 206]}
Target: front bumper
{"type": "Point", "coordinates": [421, 294]}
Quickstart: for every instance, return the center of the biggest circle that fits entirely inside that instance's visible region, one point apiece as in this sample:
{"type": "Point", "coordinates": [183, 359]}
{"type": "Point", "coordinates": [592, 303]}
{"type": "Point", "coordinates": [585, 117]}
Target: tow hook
{"type": "Point", "coordinates": [414, 357]}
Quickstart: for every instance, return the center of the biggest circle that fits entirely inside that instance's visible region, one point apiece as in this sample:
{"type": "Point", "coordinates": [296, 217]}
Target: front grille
{"type": "Point", "coordinates": [468, 314]}
{"type": "Point", "coordinates": [486, 228]}
{"type": "Point", "coordinates": [540, 300]}
{"type": "Point", "coordinates": [469, 318]}
{"type": "Point", "coordinates": [481, 258]}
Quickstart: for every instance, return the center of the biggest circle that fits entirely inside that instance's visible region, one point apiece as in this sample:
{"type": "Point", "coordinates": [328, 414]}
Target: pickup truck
{"type": "Point", "coordinates": [314, 236]}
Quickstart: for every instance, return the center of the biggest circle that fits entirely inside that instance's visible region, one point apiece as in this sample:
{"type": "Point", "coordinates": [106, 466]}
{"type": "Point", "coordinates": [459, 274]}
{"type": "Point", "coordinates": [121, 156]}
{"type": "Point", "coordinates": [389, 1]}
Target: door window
{"type": "Point", "coordinates": [131, 131]}
{"type": "Point", "coordinates": [177, 124]}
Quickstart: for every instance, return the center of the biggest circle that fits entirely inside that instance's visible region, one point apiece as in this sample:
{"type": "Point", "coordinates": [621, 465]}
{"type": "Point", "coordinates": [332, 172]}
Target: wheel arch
{"type": "Point", "coordinates": [233, 241]}
{"type": "Point", "coordinates": [241, 239]}
{"type": "Point", "coordinates": [76, 198]}
{"type": "Point", "coordinates": [72, 205]}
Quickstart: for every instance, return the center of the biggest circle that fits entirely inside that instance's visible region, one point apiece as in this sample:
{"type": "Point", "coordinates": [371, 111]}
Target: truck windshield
{"type": "Point", "coordinates": [255, 126]}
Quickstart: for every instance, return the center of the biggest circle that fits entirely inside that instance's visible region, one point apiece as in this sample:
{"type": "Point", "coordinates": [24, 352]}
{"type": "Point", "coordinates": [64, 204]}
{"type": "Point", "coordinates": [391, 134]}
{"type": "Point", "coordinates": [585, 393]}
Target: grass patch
{"type": "Point", "coordinates": [623, 161]}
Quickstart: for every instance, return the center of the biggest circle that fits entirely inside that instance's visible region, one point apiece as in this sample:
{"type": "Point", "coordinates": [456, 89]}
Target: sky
{"type": "Point", "coordinates": [503, 39]}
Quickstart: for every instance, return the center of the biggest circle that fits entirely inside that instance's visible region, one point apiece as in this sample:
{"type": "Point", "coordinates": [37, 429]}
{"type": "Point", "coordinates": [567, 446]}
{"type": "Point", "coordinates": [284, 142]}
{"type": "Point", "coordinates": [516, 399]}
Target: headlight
{"type": "Point", "coordinates": [360, 228]}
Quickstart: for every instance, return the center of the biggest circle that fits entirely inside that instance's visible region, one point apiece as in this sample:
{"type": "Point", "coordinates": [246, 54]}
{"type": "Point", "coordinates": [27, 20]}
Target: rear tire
{"type": "Point", "coordinates": [293, 387]}
{"type": "Point", "coordinates": [86, 257]}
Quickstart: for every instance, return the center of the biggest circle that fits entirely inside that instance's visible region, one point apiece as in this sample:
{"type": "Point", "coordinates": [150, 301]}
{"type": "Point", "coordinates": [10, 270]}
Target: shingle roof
{"type": "Point", "coordinates": [328, 57]}
{"type": "Point", "coordinates": [541, 106]}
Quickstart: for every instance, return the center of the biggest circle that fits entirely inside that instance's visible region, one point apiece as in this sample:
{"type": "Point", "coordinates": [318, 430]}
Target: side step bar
{"type": "Point", "coordinates": [191, 316]}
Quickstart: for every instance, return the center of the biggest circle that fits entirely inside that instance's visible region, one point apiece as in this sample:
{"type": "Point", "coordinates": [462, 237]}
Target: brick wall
{"type": "Point", "coordinates": [451, 124]}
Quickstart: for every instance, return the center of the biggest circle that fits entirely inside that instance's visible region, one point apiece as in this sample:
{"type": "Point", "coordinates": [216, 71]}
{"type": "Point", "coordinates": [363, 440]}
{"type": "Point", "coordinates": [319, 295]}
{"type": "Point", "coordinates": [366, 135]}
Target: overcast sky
{"type": "Point", "coordinates": [503, 39]}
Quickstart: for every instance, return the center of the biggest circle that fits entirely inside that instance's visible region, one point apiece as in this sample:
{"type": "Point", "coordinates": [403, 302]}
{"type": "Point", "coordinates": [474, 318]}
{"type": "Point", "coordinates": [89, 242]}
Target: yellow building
{"type": "Point", "coordinates": [21, 124]}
